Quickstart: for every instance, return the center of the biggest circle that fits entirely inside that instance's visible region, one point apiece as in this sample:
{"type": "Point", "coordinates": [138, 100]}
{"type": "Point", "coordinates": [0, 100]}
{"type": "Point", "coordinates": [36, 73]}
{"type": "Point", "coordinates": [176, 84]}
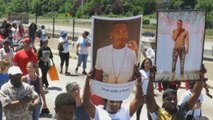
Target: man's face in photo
{"type": "Point", "coordinates": [179, 24]}
{"type": "Point", "coordinates": [119, 34]}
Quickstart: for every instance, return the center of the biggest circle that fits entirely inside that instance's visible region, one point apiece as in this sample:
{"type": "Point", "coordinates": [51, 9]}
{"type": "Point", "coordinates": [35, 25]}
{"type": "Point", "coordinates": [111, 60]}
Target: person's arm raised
{"type": "Point", "coordinates": [151, 103]}
{"type": "Point", "coordinates": [88, 105]}
{"type": "Point", "coordinates": [197, 89]}
{"type": "Point", "coordinates": [138, 100]}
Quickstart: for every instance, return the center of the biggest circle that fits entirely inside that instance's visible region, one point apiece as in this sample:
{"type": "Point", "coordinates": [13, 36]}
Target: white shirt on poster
{"type": "Point", "coordinates": [117, 64]}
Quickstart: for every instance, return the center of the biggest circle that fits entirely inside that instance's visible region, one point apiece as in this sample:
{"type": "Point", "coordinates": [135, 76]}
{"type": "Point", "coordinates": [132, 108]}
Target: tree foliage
{"type": "Point", "coordinates": [87, 8]}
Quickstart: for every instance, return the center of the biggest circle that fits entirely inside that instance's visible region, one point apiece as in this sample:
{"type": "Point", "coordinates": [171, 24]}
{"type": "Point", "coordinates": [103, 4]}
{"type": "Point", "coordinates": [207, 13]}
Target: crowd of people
{"type": "Point", "coordinates": [22, 95]}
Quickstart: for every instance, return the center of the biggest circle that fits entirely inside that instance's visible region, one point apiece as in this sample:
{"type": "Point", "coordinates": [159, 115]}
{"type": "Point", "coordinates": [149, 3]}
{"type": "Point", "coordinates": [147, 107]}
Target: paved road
{"type": "Point", "coordinates": [57, 87]}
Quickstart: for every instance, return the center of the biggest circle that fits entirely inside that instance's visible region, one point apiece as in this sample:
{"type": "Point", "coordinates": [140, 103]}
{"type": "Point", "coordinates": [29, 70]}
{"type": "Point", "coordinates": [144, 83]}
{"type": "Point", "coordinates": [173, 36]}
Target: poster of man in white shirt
{"type": "Point", "coordinates": [115, 48]}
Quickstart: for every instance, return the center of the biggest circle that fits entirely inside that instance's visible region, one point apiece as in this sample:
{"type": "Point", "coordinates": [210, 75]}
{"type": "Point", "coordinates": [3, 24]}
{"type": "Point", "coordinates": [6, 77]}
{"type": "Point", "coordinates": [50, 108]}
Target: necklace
{"type": "Point", "coordinates": [113, 65]}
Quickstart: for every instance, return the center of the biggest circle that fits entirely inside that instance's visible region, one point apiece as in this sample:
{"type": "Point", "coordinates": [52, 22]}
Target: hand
{"type": "Point", "coordinates": [132, 45]}
{"type": "Point", "coordinates": [203, 70]}
{"type": "Point", "coordinates": [136, 74]}
{"type": "Point", "coordinates": [91, 74]}
{"type": "Point", "coordinates": [153, 71]}
{"type": "Point", "coordinates": [31, 107]}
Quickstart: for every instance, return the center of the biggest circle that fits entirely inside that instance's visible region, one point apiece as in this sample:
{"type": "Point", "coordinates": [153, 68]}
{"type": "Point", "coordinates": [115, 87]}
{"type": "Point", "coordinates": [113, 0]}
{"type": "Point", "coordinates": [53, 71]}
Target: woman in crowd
{"type": "Point", "coordinates": [44, 56]}
{"type": "Point", "coordinates": [6, 53]}
{"type": "Point", "coordinates": [33, 79]}
{"type": "Point", "coordinates": [145, 73]}
{"type": "Point", "coordinates": [64, 55]}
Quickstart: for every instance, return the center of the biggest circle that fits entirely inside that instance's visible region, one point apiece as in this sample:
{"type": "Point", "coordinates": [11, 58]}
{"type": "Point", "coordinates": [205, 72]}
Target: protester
{"type": "Point", "coordinates": [113, 110]}
{"type": "Point", "coordinates": [65, 106]}
{"type": "Point", "coordinates": [14, 30]}
{"type": "Point", "coordinates": [21, 32]}
{"type": "Point", "coordinates": [22, 57]}
{"type": "Point", "coordinates": [42, 35]}
{"type": "Point", "coordinates": [74, 90]}
{"type": "Point", "coordinates": [44, 57]}
{"type": "Point", "coordinates": [196, 111]}
{"type": "Point", "coordinates": [145, 73]}
{"type": "Point", "coordinates": [4, 77]}
{"type": "Point", "coordinates": [150, 52]}
{"type": "Point", "coordinates": [170, 110]}
{"type": "Point", "coordinates": [64, 55]}
{"type": "Point", "coordinates": [34, 80]}
{"type": "Point", "coordinates": [17, 103]}
{"type": "Point", "coordinates": [32, 32]}
{"type": "Point", "coordinates": [82, 51]}
{"type": "Point", "coordinates": [6, 53]}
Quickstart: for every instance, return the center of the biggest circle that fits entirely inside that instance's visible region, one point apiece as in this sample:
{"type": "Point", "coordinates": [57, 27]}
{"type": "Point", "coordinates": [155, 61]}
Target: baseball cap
{"type": "Point", "coordinates": [70, 86]}
{"type": "Point", "coordinates": [168, 92]}
{"type": "Point", "coordinates": [26, 39]}
{"type": "Point", "coordinates": [14, 70]}
{"type": "Point", "coordinates": [63, 34]}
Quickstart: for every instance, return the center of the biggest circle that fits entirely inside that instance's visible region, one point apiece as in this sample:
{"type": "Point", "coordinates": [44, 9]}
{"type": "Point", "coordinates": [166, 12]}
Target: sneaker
{"type": "Point", "coordinates": [67, 73]}
{"type": "Point", "coordinates": [84, 73]}
{"type": "Point", "coordinates": [76, 70]}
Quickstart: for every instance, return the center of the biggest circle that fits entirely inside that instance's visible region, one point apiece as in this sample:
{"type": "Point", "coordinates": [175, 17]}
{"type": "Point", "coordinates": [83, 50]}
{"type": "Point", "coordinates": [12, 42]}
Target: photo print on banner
{"type": "Point", "coordinates": [115, 53]}
{"type": "Point", "coordinates": [180, 40]}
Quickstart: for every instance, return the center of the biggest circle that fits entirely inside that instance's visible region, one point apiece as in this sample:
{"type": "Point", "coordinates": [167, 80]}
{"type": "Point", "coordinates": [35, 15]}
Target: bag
{"type": "Point", "coordinates": [60, 47]}
{"type": "Point", "coordinates": [39, 33]}
{"type": "Point", "coordinates": [53, 73]}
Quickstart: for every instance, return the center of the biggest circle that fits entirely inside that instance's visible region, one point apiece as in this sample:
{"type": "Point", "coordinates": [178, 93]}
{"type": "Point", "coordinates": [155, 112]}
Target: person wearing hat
{"type": "Point", "coordinates": [42, 35]}
{"type": "Point", "coordinates": [64, 55]}
{"type": "Point", "coordinates": [17, 106]}
{"type": "Point", "coordinates": [6, 53]}
{"type": "Point", "coordinates": [170, 109]}
{"type": "Point", "coordinates": [82, 51]}
{"type": "Point", "coordinates": [27, 54]}
{"type": "Point", "coordinates": [74, 90]}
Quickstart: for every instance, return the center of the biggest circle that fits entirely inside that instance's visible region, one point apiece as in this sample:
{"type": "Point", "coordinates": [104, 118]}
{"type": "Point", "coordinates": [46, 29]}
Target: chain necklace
{"type": "Point", "coordinates": [119, 72]}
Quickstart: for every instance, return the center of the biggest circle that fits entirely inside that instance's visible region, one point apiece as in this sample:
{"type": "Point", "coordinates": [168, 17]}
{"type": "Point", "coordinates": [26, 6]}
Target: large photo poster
{"type": "Point", "coordinates": [180, 40]}
{"type": "Point", "coordinates": [115, 53]}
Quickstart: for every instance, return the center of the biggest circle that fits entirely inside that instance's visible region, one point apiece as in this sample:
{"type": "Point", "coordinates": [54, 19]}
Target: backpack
{"type": "Point", "coordinates": [39, 32]}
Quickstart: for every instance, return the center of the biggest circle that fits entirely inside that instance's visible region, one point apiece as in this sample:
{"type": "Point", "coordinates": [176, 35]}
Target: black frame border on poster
{"type": "Point", "coordinates": [156, 36]}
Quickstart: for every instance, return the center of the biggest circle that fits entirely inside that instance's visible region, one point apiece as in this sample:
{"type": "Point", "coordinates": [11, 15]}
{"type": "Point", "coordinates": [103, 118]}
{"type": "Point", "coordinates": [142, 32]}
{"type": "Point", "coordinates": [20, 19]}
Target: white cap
{"type": "Point", "coordinates": [14, 70]}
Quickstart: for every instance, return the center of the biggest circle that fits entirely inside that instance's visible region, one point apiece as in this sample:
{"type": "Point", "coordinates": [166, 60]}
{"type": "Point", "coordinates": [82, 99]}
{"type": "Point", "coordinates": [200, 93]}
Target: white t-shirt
{"type": "Point", "coordinates": [65, 45]}
{"type": "Point", "coordinates": [122, 114]}
{"type": "Point", "coordinates": [150, 53]}
{"type": "Point", "coordinates": [185, 97]}
{"type": "Point", "coordinates": [117, 64]}
{"type": "Point", "coordinates": [145, 80]}
{"type": "Point", "coordinates": [82, 42]}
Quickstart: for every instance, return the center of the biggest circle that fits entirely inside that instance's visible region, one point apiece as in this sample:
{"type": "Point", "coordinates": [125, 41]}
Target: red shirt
{"type": "Point", "coordinates": [22, 57]}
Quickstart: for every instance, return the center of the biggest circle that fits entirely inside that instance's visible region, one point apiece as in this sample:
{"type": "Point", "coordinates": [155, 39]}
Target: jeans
{"type": "Point", "coordinates": [36, 112]}
{"type": "Point", "coordinates": [82, 58]}
{"type": "Point", "coordinates": [181, 53]}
